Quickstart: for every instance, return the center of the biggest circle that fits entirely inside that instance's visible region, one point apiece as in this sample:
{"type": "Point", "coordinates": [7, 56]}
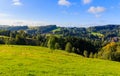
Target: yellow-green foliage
{"type": "Point", "coordinates": [39, 61]}
{"type": "Point", "coordinates": [108, 51]}
{"type": "Point", "coordinates": [118, 47]}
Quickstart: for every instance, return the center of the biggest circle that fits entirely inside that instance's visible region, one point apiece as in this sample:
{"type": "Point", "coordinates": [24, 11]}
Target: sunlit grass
{"type": "Point", "coordinates": [39, 61]}
{"type": "Point", "coordinates": [97, 34]}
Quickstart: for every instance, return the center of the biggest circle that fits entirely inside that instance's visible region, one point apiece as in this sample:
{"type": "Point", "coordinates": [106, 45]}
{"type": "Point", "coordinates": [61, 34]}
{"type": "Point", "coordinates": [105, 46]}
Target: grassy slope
{"type": "Point", "coordinates": [1, 36]}
{"type": "Point", "coordinates": [97, 34]}
{"type": "Point", "coordinates": [58, 29]}
{"type": "Point", "coordinates": [39, 61]}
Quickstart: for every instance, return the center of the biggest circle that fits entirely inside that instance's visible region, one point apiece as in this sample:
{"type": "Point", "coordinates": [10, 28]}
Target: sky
{"type": "Point", "coordinates": [71, 13]}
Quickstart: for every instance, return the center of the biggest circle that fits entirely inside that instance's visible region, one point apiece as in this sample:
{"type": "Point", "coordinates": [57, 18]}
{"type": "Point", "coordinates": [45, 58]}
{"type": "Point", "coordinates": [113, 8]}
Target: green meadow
{"type": "Point", "coordinates": [39, 61]}
{"type": "Point", "coordinates": [97, 34]}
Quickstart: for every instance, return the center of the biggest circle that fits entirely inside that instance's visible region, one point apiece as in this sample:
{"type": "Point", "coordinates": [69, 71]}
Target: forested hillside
{"type": "Point", "coordinates": [94, 42]}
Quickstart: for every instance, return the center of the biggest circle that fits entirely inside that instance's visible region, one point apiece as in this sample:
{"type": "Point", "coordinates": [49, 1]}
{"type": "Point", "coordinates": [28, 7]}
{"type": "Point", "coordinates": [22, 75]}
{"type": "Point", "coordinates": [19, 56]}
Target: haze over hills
{"type": "Point", "coordinates": [106, 30]}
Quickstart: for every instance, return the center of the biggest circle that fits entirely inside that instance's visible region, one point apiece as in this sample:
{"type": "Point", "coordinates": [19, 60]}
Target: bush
{"type": "Point", "coordinates": [85, 53]}
{"type": "Point", "coordinates": [68, 47]}
{"type": "Point", "coordinates": [57, 46]}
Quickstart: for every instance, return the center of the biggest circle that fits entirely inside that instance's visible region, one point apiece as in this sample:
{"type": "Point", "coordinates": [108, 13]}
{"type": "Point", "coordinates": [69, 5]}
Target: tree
{"type": "Point", "coordinates": [116, 56]}
{"type": "Point", "coordinates": [108, 51]}
{"type": "Point", "coordinates": [57, 46]}
{"type": "Point", "coordinates": [11, 35]}
{"type": "Point", "coordinates": [68, 47]}
{"type": "Point", "coordinates": [51, 42]}
{"type": "Point", "coordinates": [20, 40]}
{"type": "Point", "coordinates": [85, 53]}
{"type": "Point", "coordinates": [73, 49]}
{"type": "Point", "coordinates": [95, 55]}
{"type": "Point", "coordinates": [91, 55]}
{"type": "Point", "coordinates": [22, 34]}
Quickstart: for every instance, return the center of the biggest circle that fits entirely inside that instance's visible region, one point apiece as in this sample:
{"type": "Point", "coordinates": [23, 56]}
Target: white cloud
{"type": "Point", "coordinates": [16, 2]}
{"type": "Point", "coordinates": [64, 3]}
{"type": "Point", "coordinates": [87, 1]}
{"type": "Point", "coordinates": [96, 10]}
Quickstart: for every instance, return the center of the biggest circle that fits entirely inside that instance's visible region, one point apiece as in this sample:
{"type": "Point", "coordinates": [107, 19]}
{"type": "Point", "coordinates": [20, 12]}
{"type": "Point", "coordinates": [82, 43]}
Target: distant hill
{"type": "Point", "coordinates": [105, 27]}
{"type": "Point", "coordinates": [94, 32]}
{"type": "Point", "coordinates": [13, 28]}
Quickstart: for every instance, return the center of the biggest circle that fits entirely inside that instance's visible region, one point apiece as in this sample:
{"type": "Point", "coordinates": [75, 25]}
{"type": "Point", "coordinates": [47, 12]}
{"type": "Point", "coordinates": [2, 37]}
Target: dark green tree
{"type": "Point", "coordinates": [85, 53]}
{"type": "Point", "coordinates": [57, 46]}
{"type": "Point", "coordinates": [20, 40]}
{"type": "Point", "coordinates": [73, 49]}
{"type": "Point", "coordinates": [95, 55]}
{"type": "Point", "coordinates": [51, 42]}
{"type": "Point", "coordinates": [68, 47]}
{"type": "Point", "coordinates": [91, 55]}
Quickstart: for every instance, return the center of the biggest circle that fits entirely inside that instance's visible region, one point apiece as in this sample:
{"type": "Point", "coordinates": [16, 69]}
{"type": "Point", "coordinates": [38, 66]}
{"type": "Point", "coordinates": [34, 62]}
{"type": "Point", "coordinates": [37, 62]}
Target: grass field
{"type": "Point", "coordinates": [39, 61]}
{"type": "Point", "coordinates": [4, 37]}
{"type": "Point", "coordinates": [97, 34]}
{"type": "Point", "coordinates": [56, 35]}
{"type": "Point", "coordinates": [58, 29]}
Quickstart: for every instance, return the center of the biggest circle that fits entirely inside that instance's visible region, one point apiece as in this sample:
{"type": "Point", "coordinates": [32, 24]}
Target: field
{"type": "Point", "coordinates": [58, 29]}
{"type": "Point", "coordinates": [6, 37]}
{"type": "Point", "coordinates": [97, 34]}
{"type": "Point", "coordinates": [39, 61]}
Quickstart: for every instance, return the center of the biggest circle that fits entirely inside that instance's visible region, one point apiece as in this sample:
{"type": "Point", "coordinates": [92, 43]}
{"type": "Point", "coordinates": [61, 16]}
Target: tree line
{"type": "Point", "coordinates": [89, 46]}
{"type": "Point", "coordinates": [70, 44]}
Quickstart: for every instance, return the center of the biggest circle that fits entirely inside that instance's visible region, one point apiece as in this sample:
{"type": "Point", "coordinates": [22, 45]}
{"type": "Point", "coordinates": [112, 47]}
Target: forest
{"type": "Point", "coordinates": [93, 42]}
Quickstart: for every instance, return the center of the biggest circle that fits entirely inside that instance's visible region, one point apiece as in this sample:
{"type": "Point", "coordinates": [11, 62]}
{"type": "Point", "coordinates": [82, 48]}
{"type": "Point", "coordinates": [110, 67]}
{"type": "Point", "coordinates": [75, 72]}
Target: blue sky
{"type": "Point", "coordinates": [79, 13]}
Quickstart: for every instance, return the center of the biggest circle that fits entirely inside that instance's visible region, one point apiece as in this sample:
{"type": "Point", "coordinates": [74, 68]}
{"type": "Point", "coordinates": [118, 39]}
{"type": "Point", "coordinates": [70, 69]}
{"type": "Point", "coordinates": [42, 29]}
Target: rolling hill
{"type": "Point", "coordinates": [39, 61]}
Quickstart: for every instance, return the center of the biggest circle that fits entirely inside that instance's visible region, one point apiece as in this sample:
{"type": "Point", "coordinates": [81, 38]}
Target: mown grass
{"type": "Point", "coordinates": [39, 61]}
